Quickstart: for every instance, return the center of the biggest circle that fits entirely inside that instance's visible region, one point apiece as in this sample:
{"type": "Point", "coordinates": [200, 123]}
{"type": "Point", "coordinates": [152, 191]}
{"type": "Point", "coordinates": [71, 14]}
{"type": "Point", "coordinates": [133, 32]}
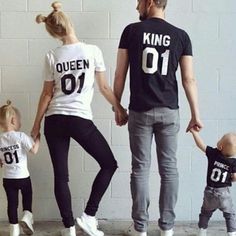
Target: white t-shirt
{"type": "Point", "coordinates": [13, 154]}
{"type": "Point", "coordinates": [72, 68]}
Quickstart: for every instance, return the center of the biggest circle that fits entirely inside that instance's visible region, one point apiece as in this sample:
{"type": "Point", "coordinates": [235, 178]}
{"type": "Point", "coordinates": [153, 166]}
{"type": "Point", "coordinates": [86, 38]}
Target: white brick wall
{"type": "Point", "coordinates": [23, 44]}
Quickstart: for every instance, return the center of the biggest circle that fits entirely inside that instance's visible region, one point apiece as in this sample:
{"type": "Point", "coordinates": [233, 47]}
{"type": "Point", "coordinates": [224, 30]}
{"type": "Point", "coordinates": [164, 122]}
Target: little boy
{"type": "Point", "coordinates": [220, 174]}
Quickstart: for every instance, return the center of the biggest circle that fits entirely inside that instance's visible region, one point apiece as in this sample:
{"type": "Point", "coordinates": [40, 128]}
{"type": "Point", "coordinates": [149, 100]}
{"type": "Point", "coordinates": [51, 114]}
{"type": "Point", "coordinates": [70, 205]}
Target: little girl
{"type": "Point", "coordinates": [14, 146]}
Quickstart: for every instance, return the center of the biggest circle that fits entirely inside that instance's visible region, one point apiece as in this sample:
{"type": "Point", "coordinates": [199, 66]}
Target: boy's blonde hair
{"type": "Point", "coordinates": [7, 111]}
{"type": "Point", "coordinates": [228, 142]}
{"type": "Point", "coordinates": [57, 23]}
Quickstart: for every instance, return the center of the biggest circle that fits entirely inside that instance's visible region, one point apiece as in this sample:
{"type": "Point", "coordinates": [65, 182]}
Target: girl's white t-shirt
{"type": "Point", "coordinates": [72, 69]}
{"type": "Point", "coordinates": [14, 147]}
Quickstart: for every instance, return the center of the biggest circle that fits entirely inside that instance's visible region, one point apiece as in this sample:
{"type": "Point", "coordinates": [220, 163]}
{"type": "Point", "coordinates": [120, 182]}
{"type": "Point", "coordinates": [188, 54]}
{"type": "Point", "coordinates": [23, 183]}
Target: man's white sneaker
{"type": "Point", "coordinates": [14, 230]}
{"type": "Point", "coordinates": [89, 225]}
{"type": "Point", "coordinates": [169, 232]}
{"type": "Point", "coordinates": [202, 232]}
{"type": "Point", "coordinates": [68, 231]}
{"type": "Point", "coordinates": [26, 223]}
{"type": "Point", "coordinates": [133, 232]}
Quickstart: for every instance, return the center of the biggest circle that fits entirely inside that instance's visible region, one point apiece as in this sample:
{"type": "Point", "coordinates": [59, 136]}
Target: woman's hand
{"type": "Point", "coordinates": [35, 132]}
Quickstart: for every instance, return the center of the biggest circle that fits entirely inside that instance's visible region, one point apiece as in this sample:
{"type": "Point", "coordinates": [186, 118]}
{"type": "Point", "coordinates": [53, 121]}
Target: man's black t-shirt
{"type": "Point", "coordinates": [219, 169]}
{"type": "Point", "coordinates": [154, 49]}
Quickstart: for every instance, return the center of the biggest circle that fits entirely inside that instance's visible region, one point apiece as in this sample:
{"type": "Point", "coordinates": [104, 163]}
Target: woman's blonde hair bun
{"type": "Point", "coordinates": [56, 6]}
{"type": "Point", "coordinates": [8, 102]}
{"type": "Point", "coordinates": [40, 18]}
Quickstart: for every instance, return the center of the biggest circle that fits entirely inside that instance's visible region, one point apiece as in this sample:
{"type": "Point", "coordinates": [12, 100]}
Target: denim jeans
{"type": "Point", "coordinates": [58, 130]}
{"type": "Point", "coordinates": [163, 125]}
{"type": "Point", "coordinates": [217, 198]}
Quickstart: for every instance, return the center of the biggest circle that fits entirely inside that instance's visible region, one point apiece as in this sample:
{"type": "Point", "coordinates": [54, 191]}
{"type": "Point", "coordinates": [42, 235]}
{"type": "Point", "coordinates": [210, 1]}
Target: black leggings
{"type": "Point", "coordinates": [12, 187]}
{"type": "Point", "coordinates": [58, 130]}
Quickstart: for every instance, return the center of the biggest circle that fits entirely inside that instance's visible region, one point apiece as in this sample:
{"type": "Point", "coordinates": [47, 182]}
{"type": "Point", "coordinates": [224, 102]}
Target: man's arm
{"type": "Point", "coordinates": [190, 88]}
{"type": "Point", "coordinates": [122, 65]}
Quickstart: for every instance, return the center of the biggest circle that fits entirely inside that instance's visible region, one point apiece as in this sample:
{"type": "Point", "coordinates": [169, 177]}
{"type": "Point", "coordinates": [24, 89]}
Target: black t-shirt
{"type": "Point", "coordinates": [219, 169]}
{"type": "Point", "coordinates": [154, 49]}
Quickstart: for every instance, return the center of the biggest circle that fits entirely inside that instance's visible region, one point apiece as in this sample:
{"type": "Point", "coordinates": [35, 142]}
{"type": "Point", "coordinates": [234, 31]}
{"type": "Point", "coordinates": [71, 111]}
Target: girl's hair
{"type": "Point", "coordinates": [57, 23]}
{"type": "Point", "coordinates": [6, 113]}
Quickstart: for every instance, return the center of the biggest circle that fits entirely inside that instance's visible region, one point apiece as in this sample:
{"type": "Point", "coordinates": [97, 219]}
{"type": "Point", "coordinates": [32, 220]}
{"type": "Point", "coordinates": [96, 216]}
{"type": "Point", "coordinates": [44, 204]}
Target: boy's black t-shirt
{"type": "Point", "coordinates": [219, 169]}
{"type": "Point", "coordinates": [154, 49]}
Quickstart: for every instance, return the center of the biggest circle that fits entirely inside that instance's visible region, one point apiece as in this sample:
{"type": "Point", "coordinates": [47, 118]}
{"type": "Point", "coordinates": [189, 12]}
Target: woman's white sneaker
{"type": "Point", "coordinates": [89, 225]}
{"type": "Point", "coordinates": [68, 231]}
{"type": "Point", "coordinates": [202, 232]}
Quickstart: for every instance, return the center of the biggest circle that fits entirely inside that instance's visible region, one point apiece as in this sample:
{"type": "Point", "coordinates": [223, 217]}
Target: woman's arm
{"type": "Point", "coordinates": [44, 101]}
{"type": "Point", "coordinates": [107, 92]}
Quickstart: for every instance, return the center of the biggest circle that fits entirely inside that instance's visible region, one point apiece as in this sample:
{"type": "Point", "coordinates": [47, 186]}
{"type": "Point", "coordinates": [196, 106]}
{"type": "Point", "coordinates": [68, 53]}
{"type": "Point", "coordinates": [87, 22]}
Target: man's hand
{"type": "Point", "coordinates": [195, 124]}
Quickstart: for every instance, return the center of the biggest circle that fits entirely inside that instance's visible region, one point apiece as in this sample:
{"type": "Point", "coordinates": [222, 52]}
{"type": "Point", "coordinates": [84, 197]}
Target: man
{"type": "Point", "coordinates": [153, 49]}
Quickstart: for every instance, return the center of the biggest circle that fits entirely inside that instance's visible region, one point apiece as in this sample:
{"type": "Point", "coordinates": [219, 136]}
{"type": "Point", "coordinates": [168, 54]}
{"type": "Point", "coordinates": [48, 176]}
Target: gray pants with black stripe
{"type": "Point", "coordinates": [217, 198]}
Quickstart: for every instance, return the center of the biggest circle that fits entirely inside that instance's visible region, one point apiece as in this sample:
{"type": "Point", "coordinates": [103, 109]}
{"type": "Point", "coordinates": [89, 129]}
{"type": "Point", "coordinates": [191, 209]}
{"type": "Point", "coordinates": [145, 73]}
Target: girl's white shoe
{"type": "Point", "coordinates": [14, 230]}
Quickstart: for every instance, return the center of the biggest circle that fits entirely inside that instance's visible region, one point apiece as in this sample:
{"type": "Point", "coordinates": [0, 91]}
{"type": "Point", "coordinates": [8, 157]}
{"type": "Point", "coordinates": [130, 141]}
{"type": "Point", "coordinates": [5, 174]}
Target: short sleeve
{"type": "Point", "coordinates": [48, 72]}
{"type": "Point", "coordinates": [124, 41]}
{"type": "Point", "coordinates": [98, 59]}
{"type": "Point", "coordinates": [26, 141]}
{"type": "Point", "coordinates": [234, 167]}
{"type": "Point", "coordinates": [187, 45]}
{"type": "Point", "coordinates": [210, 152]}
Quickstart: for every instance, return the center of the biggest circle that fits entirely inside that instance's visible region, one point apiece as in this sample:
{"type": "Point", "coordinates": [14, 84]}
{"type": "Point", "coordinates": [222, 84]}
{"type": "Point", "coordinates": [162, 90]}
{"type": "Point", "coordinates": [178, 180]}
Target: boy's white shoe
{"type": "Point", "coordinates": [26, 223]}
{"type": "Point", "coordinates": [89, 225]}
{"type": "Point", "coordinates": [202, 232]}
{"type": "Point", "coordinates": [169, 232]}
{"type": "Point", "coordinates": [231, 233]}
{"type": "Point", "coordinates": [14, 230]}
{"type": "Point", "coordinates": [133, 232]}
{"type": "Point", "coordinates": [68, 231]}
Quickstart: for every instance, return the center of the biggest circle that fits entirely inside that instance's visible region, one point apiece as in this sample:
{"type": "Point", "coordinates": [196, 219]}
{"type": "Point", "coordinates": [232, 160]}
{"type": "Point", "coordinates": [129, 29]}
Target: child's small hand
{"type": "Point", "coordinates": [194, 129]}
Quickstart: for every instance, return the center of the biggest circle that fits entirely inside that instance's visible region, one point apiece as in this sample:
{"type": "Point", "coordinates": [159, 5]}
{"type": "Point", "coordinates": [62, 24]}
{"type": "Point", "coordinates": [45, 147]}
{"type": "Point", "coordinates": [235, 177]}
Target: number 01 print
{"type": "Point", "coordinates": [70, 79]}
{"type": "Point", "coordinates": [154, 54]}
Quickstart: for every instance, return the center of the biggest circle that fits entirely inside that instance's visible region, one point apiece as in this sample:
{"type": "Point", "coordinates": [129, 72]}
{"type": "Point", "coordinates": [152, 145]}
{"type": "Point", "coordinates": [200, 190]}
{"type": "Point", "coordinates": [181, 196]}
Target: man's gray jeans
{"type": "Point", "coordinates": [163, 125]}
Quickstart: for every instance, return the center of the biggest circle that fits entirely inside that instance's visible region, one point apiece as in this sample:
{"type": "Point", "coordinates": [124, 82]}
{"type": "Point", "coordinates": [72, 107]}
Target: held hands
{"type": "Point", "coordinates": [121, 115]}
{"type": "Point", "coordinates": [35, 132]}
{"type": "Point", "coordinates": [194, 125]}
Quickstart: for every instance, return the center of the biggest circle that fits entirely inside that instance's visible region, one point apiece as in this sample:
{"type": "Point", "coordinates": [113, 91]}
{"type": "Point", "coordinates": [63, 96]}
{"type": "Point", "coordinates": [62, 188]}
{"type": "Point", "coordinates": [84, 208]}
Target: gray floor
{"type": "Point", "coordinates": [51, 228]}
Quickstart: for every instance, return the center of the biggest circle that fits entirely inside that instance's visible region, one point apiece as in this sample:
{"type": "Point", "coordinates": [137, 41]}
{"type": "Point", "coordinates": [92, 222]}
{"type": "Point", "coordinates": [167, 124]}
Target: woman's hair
{"type": "Point", "coordinates": [57, 23]}
{"type": "Point", "coordinates": [161, 3]}
{"type": "Point", "coordinates": [7, 111]}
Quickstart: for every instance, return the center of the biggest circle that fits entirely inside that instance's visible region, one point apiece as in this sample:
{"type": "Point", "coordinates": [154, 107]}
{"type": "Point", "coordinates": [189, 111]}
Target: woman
{"type": "Point", "coordinates": [66, 102]}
